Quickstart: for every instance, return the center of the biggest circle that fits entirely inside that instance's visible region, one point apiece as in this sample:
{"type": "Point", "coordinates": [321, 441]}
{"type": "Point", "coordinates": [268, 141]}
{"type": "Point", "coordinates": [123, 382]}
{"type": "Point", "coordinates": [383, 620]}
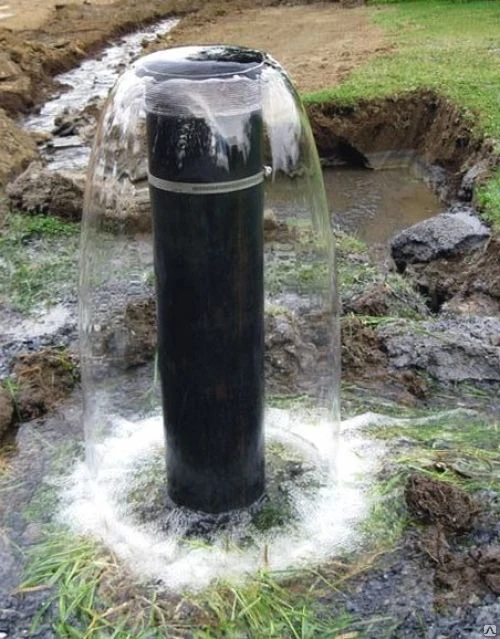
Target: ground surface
{"type": "Point", "coordinates": [435, 583]}
{"type": "Point", "coordinates": [318, 44]}
{"type": "Point", "coordinates": [31, 14]}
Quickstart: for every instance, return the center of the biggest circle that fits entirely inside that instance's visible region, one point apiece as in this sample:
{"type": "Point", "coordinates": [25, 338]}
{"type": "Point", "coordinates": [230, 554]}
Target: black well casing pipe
{"type": "Point", "coordinates": [208, 254]}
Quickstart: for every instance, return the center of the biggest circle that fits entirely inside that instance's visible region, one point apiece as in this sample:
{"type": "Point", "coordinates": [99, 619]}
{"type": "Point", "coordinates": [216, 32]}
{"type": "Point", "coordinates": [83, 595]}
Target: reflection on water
{"type": "Point", "coordinates": [375, 205]}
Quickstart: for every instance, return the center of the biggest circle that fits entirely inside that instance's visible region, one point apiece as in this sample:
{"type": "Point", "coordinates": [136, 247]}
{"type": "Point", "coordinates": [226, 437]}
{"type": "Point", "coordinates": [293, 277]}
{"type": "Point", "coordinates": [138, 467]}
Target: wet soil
{"type": "Point", "coordinates": [319, 43]}
{"type": "Point", "coordinates": [437, 502]}
{"type": "Point", "coordinates": [43, 379]}
{"type": "Point", "coordinates": [439, 578]}
{"type": "Point", "coordinates": [463, 283]}
{"type": "Point", "coordinates": [365, 363]}
{"type": "Point", "coordinates": [421, 121]}
{"type": "Point", "coordinates": [460, 573]}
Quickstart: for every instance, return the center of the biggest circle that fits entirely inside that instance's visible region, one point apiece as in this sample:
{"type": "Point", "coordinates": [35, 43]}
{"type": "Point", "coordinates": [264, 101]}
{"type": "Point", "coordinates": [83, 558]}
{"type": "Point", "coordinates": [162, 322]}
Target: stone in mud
{"type": "Point", "coordinates": [6, 411]}
{"type": "Point", "coordinates": [471, 275]}
{"type": "Point", "coordinates": [44, 379]}
{"type": "Point", "coordinates": [39, 190]}
{"type": "Point", "coordinates": [75, 122]}
{"type": "Point", "coordinates": [440, 236]}
{"type": "Point", "coordinates": [472, 177]}
{"type": "Point", "coordinates": [450, 350]}
{"type": "Point", "coordinates": [17, 149]}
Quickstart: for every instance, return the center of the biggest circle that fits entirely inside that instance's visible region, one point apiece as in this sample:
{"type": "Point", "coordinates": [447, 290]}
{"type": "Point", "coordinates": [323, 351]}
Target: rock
{"type": "Point", "coordinates": [475, 174]}
{"type": "Point", "coordinates": [440, 236]}
{"type": "Point", "coordinates": [17, 149]}
{"type": "Point", "coordinates": [449, 350]}
{"type": "Point", "coordinates": [75, 122]}
{"type": "Point", "coordinates": [474, 276]}
{"type": "Point", "coordinates": [39, 190]}
{"type": "Point", "coordinates": [6, 411]}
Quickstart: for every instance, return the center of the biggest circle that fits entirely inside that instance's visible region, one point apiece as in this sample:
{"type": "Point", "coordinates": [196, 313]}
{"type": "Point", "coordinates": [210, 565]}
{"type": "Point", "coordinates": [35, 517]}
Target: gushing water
{"type": "Point", "coordinates": [212, 274]}
{"type": "Point", "coordinates": [326, 521]}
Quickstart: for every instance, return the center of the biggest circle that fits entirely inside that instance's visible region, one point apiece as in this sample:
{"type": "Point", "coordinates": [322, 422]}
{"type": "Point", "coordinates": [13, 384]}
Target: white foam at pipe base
{"type": "Point", "coordinates": [327, 523]}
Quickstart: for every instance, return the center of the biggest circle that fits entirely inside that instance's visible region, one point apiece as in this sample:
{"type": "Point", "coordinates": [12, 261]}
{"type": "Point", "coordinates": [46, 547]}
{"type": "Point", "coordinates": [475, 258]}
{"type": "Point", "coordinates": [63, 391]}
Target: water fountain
{"type": "Point", "coordinates": [205, 209]}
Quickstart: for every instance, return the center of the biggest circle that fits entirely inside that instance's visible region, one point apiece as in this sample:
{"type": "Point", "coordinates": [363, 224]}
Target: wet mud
{"type": "Point", "coordinates": [444, 576]}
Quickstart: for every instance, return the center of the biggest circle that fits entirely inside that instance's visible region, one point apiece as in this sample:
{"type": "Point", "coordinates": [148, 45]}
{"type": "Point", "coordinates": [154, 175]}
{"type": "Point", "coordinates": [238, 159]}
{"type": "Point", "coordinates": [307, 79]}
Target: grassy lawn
{"type": "Point", "coordinates": [451, 46]}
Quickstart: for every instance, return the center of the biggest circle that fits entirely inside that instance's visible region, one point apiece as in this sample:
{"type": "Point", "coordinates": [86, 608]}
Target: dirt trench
{"type": "Point", "coordinates": [421, 121]}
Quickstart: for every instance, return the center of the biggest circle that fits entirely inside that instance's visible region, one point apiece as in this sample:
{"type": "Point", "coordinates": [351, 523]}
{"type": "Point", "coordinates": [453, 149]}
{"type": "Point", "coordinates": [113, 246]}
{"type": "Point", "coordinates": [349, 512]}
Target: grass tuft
{"type": "Point", "coordinates": [89, 596]}
{"type": "Point", "coordinates": [38, 262]}
{"type": "Point", "coordinates": [488, 197]}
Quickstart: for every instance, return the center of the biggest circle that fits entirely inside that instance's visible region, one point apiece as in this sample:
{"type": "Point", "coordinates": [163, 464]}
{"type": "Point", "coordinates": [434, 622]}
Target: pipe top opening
{"type": "Point", "coordinates": [201, 62]}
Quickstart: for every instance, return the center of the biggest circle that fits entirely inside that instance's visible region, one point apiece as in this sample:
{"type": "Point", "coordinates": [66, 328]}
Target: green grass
{"type": "Point", "coordinates": [448, 46]}
{"type": "Point", "coordinates": [38, 263]}
{"type": "Point", "coordinates": [267, 608]}
{"type": "Point", "coordinates": [463, 448]}
{"type": "Point", "coordinates": [388, 519]}
{"type": "Point", "coordinates": [89, 596]}
{"type": "Point", "coordinates": [488, 197]}
{"type": "Point", "coordinates": [75, 573]}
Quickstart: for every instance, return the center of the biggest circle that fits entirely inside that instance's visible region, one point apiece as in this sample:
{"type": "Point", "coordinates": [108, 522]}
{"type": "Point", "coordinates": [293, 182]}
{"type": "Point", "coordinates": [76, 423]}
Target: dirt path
{"type": "Point", "coordinates": [318, 44]}
{"type": "Point", "coordinates": [32, 14]}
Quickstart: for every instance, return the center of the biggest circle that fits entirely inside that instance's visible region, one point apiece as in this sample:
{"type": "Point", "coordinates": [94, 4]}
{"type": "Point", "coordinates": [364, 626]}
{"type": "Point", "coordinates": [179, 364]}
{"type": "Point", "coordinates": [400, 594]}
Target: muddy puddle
{"type": "Point", "coordinates": [376, 204]}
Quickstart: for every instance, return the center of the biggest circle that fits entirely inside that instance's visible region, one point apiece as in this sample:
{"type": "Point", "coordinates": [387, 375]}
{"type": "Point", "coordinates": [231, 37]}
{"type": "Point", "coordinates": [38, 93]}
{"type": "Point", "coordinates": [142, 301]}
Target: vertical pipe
{"type": "Point", "coordinates": [207, 203]}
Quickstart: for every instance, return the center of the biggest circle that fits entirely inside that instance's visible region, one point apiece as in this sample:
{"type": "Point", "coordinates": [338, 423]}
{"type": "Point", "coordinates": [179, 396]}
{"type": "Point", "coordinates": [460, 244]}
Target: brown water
{"type": "Point", "coordinates": [374, 205]}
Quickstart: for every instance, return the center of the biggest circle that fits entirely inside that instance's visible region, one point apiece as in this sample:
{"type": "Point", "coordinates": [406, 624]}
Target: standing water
{"type": "Point", "coordinates": [376, 204]}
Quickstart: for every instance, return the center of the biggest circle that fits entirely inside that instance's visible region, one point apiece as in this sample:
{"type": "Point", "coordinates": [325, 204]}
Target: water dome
{"type": "Point", "coordinates": [207, 293]}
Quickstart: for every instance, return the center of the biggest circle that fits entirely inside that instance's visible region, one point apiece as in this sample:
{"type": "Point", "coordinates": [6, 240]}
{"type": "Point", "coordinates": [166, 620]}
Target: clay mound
{"type": "Point", "coordinates": [44, 379]}
{"type": "Point", "coordinates": [437, 502]}
{"type": "Point", "coordinates": [18, 148]}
